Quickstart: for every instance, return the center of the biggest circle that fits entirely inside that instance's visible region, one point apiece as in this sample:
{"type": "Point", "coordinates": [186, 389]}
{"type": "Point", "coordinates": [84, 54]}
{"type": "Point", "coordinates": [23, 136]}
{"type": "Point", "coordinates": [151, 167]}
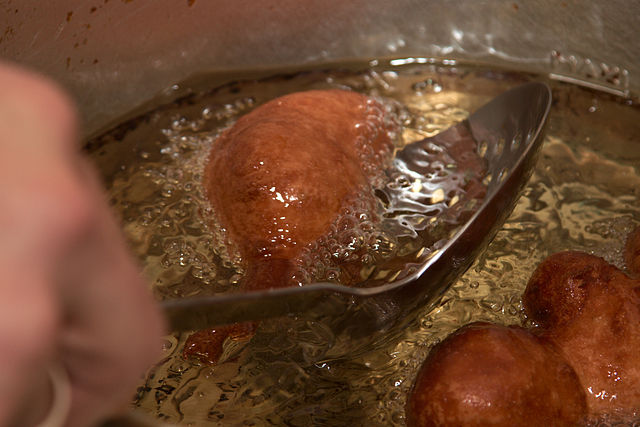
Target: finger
{"type": "Point", "coordinates": [29, 324]}
{"type": "Point", "coordinates": [36, 120]}
{"type": "Point", "coordinates": [40, 204]}
{"type": "Point", "coordinates": [113, 330]}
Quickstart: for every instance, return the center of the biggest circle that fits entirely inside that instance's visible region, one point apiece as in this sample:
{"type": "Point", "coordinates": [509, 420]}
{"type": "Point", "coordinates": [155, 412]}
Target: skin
{"type": "Point", "coordinates": [282, 175]}
{"type": "Point", "coordinates": [591, 311]}
{"type": "Point", "coordinates": [70, 292]}
{"type": "Point", "coordinates": [492, 375]}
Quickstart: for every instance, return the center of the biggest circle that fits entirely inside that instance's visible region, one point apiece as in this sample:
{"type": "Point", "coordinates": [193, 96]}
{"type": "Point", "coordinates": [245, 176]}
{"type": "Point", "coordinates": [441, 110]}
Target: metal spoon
{"type": "Point", "coordinates": [509, 128]}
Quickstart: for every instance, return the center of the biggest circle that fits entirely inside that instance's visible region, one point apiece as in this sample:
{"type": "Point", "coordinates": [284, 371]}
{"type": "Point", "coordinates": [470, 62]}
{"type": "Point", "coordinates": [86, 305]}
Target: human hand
{"type": "Point", "coordinates": [70, 292]}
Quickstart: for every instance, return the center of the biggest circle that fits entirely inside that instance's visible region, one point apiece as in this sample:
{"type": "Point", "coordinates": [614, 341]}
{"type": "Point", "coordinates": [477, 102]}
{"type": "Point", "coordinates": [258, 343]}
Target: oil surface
{"type": "Point", "coordinates": [583, 195]}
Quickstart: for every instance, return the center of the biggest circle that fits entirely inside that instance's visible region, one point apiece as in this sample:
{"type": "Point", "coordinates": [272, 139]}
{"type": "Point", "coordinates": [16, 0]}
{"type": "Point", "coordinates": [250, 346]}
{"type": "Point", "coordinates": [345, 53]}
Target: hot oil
{"type": "Point", "coordinates": [583, 195]}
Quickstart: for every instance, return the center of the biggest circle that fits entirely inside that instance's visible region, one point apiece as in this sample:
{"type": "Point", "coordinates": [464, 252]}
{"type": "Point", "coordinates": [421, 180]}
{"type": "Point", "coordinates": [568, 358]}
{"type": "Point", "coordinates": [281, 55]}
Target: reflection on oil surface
{"type": "Point", "coordinates": [583, 195]}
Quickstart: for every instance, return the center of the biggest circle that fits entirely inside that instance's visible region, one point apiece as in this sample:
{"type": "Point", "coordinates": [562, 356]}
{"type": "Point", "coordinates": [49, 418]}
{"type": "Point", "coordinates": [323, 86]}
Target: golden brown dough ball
{"type": "Point", "coordinates": [590, 310]}
{"type": "Point", "coordinates": [283, 174]}
{"type": "Point", "coordinates": [492, 375]}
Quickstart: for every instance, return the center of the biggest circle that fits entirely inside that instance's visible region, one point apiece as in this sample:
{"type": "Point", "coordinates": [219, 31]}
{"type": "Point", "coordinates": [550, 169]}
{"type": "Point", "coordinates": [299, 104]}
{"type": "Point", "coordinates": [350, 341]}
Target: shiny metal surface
{"type": "Point", "coordinates": [511, 125]}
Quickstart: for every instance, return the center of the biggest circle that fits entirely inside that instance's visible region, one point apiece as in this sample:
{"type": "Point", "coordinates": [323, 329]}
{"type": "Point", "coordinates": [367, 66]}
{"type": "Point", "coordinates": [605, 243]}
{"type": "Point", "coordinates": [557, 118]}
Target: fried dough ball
{"type": "Point", "coordinates": [632, 252]}
{"type": "Point", "coordinates": [492, 375]}
{"type": "Point", "coordinates": [591, 311]}
{"type": "Point", "coordinates": [283, 174]}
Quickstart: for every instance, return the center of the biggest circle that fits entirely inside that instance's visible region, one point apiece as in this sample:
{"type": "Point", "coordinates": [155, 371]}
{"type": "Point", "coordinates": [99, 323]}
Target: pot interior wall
{"type": "Point", "coordinates": [114, 55]}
